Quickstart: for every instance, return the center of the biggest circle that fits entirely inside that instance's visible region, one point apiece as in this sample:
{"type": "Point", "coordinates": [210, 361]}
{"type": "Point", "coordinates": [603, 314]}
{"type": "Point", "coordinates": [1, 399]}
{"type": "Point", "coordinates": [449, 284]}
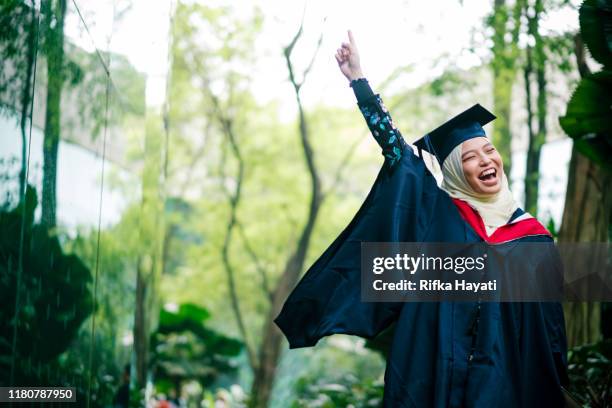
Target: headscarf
{"type": "Point", "coordinates": [494, 209]}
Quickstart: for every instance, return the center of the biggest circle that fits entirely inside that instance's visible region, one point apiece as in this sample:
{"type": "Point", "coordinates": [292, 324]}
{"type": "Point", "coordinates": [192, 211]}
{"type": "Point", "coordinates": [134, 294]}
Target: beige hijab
{"type": "Point", "coordinates": [495, 210]}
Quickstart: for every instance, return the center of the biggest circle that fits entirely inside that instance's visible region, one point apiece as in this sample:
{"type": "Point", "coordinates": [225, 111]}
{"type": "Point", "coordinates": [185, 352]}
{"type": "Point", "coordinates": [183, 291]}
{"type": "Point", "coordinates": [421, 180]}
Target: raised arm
{"type": "Point", "coordinates": [379, 121]}
{"type": "Point", "coordinates": [374, 111]}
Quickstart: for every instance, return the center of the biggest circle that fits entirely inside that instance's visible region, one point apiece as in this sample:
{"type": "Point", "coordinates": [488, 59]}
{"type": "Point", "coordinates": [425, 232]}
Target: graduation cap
{"type": "Point", "coordinates": [466, 125]}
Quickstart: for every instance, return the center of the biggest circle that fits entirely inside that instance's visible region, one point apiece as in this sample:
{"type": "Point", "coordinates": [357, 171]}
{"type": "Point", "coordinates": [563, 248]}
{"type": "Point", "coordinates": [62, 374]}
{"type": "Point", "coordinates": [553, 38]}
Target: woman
{"type": "Point", "coordinates": [444, 354]}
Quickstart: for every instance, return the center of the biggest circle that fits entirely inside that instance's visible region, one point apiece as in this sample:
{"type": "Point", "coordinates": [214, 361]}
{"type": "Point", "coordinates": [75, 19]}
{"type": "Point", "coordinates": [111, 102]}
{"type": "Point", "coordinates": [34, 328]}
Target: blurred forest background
{"type": "Point", "coordinates": [170, 169]}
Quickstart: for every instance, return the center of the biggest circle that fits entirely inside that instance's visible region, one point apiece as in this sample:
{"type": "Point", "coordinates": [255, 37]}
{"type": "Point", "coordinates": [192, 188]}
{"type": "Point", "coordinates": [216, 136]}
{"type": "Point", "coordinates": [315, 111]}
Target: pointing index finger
{"type": "Point", "coordinates": [351, 38]}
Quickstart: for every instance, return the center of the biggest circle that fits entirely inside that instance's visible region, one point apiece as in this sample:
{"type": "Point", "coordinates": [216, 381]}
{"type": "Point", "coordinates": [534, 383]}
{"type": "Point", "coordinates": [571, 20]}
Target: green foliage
{"type": "Point", "coordinates": [587, 119]}
{"type": "Point", "coordinates": [88, 80]}
{"type": "Point", "coordinates": [116, 277]}
{"type": "Point", "coordinates": [448, 81]}
{"type": "Point", "coordinates": [83, 73]}
{"type": "Point", "coordinates": [54, 295]}
{"type": "Point", "coordinates": [552, 228]}
{"type": "Point", "coordinates": [560, 52]}
{"type": "Point", "coordinates": [116, 261]}
{"type": "Point", "coordinates": [210, 87]}
{"type": "Point", "coordinates": [588, 110]}
{"type": "Point", "coordinates": [179, 234]}
{"type": "Point", "coordinates": [16, 41]}
{"type": "Point", "coordinates": [590, 372]}
{"type": "Point", "coordinates": [344, 391]}
{"type": "Point", "coordinates": [137, 398]}
{"type": "Point", "coordinates": [596, 29]}
{"type": "Point", "coordinates": [185, 349]}
{"type": "Point", "coordinates": [72, 368]}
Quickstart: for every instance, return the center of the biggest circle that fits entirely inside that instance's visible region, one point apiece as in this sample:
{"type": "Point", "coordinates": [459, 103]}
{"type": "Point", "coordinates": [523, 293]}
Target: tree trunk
{"type": "Point", "coordinates": [140, 329]}
{"type": "Point", "coordinates": [586, 218]}
{"type": "Point", "coordinates": [269, 352]}
{"type": "Point", "coordinates": [536, 139]}
{"type": "Point", "coordinates": [26, 98]}
{"type": "Point", "coordinates": [504, 72]}
{"type": "Point", "coordinates": [529, 184]}
{"type": "Point", "coordinates": [56, 11]}
{"type": "Point", "coordinates": [234, 199]}
{"type": "Point", "coordinates": [150, 242]}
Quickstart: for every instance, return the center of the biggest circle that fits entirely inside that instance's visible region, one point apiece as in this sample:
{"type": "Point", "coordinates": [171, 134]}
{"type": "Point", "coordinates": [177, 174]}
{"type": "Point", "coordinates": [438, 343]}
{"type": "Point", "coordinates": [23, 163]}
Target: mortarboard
{"type": "Point", "coordinates": [466, 125]}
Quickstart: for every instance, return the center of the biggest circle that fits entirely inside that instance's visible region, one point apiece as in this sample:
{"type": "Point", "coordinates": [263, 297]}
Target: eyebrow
{"type": "Point", "coordinates": [471, 150]}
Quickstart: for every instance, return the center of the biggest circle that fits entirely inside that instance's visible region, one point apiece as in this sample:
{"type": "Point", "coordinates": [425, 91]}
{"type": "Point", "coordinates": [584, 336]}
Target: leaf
{"type": "Point", "coordinates": [596, 29]}
{"type": "Point", "coordinates": [194, 312]}
{"type": "Point", "coordinates": [587, 119]}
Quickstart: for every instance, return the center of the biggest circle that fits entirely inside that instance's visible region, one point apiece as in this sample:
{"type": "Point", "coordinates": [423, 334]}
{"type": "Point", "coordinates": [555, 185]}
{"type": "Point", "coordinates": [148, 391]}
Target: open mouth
{"type": "Point", "coordinates": [488, 176]}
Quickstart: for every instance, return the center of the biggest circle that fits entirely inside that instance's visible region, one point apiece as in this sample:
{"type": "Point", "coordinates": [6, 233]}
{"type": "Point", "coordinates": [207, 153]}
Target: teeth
{"type": "Point", "coordinates": [487, 172]}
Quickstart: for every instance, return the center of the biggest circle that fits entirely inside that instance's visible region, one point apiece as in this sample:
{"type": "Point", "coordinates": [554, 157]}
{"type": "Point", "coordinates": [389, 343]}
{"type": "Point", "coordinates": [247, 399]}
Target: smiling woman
{"type": "Point", "coordinates": [481, 165]}
{"type": "Point", "coordinates": [444, 354]}
{"type": "Point", "coordinates": [473, 172]}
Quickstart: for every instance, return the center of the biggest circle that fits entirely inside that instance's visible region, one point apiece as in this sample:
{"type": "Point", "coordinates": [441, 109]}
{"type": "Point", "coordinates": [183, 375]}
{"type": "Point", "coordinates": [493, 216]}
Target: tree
{"type": "Point", "coordinates": [543, 56]}
{"type": "Point", "coordinates": [587, 216]}
{"type": "Point", "coordinates": [19, 48]}
{"type": "Point", "coordinates": [151, 232]}
{"type": "Point", "coordinates": [535, 63]}
{"type": "Point", "coordinates": [254, 164]}
{"type": "Point", "coordinates": [505, 22]}
{"type": "Point", "coordinates": [269, 352]}
{"type": "Point", "coordinates": [54, 13]}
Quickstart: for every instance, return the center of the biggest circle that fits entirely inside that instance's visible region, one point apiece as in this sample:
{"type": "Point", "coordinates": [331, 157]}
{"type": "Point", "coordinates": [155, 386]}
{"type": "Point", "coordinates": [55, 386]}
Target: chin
{"type": "Point", "coordinates": [490, 189]}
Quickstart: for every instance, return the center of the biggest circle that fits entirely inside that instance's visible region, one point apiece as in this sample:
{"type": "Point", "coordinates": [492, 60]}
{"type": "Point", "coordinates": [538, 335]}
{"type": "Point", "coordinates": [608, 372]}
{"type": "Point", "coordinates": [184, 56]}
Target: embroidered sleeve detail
{"type": "Point", "coordinates": [379, 121]}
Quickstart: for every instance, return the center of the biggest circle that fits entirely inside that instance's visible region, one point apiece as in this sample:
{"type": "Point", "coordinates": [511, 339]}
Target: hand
{"type": "Point", "coordinates": [348, 59]}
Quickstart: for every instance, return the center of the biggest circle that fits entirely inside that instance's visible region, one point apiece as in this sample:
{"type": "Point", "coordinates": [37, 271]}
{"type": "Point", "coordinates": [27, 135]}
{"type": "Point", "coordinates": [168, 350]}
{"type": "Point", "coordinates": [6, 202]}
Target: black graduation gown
{"type": "Point", "coordinates": [444, 354]}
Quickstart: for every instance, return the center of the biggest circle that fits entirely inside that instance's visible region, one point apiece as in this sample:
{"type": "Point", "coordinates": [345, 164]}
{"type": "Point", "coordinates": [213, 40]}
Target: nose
{"type": "Point", "coordinates": [485, 160]}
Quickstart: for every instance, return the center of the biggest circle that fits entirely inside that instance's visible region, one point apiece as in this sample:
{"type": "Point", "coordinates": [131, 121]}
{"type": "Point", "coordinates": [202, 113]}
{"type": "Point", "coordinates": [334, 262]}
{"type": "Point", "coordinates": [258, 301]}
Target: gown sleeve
{"type": "Point", "coordinates": [399, 207]}
{"type": "Point", "coordinates": [378, 120]}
